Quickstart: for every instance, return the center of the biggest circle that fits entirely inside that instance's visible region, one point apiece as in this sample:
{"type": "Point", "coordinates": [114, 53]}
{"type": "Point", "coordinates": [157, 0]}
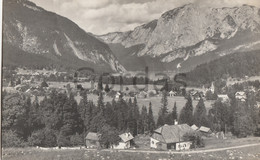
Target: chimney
{"type": "Point", "coordinates": [175, 122]}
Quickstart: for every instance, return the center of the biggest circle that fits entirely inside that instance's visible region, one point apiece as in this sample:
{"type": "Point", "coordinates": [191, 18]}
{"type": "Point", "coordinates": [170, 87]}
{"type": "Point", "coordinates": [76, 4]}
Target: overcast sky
{"type": "Point", "coordinates": [103, 16]}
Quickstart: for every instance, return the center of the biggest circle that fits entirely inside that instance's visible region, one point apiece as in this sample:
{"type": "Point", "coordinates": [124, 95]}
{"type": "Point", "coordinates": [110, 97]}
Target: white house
{"type": "Point", "coordinates": [172, 93]}
{"type": "Point", "coordinates": [241, 96]}
{"type": "Point", "coordinates": [125, 143]}
{"type": "Point", "coordinates": [171, 137]}
{"type": "Point", "coordinates": [223, 97]}
{"type": "Point", "coordinates": [117, 96]}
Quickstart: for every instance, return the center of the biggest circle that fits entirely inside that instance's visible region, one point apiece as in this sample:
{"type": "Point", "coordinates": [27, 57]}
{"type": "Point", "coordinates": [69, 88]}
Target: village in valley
{"type": "Point", "coordinates": [147, 119]}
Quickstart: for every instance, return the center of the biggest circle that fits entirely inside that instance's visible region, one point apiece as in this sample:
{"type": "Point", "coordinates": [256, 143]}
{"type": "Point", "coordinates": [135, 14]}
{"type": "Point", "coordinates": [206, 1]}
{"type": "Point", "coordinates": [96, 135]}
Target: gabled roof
{"type": "Point", "coordinates": [93, 136]}
{"type": "Point", "coordinates": [126, 137]}
{"type": "Point", "coordinates": [194, 93]}
{"type": "Point", "coordinates": [171, 133]}
{"type": "Point", "coordinates": [152, 91]}
{"type": "Point", "coordinates": [204, 129]}
{"type": "Point", "coordinates": [240, 93]}
{"type": "Point", "coordinates": [143, 93]}
{"type": "Point", "coordinates": [222, 96]}
{"type": "Point", "coordinates": [194, 127]}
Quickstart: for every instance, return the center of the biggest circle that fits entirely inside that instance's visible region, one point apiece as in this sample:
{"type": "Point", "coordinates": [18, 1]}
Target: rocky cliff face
{"type": "Point", "coordinates": [33, 30]}
{"type": "Point", "coordinates": [190, 31]}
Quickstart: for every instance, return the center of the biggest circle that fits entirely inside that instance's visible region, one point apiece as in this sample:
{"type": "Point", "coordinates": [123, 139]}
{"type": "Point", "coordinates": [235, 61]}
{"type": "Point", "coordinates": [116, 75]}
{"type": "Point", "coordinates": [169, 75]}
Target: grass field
{"type": "Point", "coordinates": [248, 153]}
{"type": "Point", "coordinates": [218, 143]}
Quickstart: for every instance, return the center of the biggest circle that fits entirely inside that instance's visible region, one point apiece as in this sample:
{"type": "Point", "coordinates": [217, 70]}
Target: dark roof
{"type": "Point", "coordinates": [171, 133]}
{"type": "Point", "coordinates": [92, 136]}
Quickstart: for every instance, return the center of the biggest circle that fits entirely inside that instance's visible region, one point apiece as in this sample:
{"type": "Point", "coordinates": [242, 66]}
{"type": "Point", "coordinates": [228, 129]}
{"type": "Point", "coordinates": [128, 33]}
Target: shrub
{"type": "Point", "coordinates": [50, 139]}
{"type": "Point", "coordinates": [77, 140]}
{"type": "Point", "coordinates": [195, 138]}
{"type": "Point", "coordinates": [37, 138]}
{"type": "Point", "coordinates": [63, 141]}
{"type": "Point", "coordinates": [43, 138]}
{"type": "Point", "coordinates": [11, 139]}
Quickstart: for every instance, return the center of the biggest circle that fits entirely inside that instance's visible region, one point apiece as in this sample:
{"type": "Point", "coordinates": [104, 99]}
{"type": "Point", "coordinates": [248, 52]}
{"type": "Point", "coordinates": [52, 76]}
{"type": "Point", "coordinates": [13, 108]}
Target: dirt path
{"type": "Point", "coordinates": [191, 152]}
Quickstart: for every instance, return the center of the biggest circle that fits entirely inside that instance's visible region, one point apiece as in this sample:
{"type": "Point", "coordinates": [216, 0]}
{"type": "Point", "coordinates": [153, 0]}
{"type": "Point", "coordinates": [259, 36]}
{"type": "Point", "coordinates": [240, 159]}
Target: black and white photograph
{"type": "Point", "coordinates": [130, 79]}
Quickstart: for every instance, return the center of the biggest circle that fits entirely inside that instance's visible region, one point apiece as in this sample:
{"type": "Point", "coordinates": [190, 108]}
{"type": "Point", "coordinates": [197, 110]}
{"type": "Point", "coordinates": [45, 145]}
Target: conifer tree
{"type": "Point", "coordinates": [136, 115]}
{"type": "Point", "coordinates": [163, 113]}
{"type": "Point", "coordinates": [28, 109]}
{"type": "Point", "coordinates": [151, 123]}
{"type": "Point", "coordinates": [186, 115]}
{"type": "Point", "coordinates": [35, 121]}
{"type": "Point", "coordinates": [219, 115]}
{"type": "Point", "coordinates": [121, 114]}
{"type": "Point", "coordinates": [70, 121]}
{"type": "Point", "coordinates": [14, 116]}
{"type": "Point", "coordinates": [243, 122]}
{"type": "Point", "coordinates": [143, 125]}
{"type": "Point", "coordinates": [200, 114]}
{"type": "Point", "coordinates": [107, 89]}
{"type": "Point", "coordinates": [172, 116]}
{"type": "Point", "coordinates": [130, 103]}
{"type": "Point", "coordinates": [85, 110]}
{"type": "Point", "coordinates": [164, 103]}
{"type": "Point", "coordinates": [100, 84]}
{"type": "Point", "coordinates": [100, 103]}
{"type": "Point", "coordinates": [130, 120]}
{"type": "Point", "coordinates": [114, 122]}
{"type": "Point", "coordinates": [174, 112]}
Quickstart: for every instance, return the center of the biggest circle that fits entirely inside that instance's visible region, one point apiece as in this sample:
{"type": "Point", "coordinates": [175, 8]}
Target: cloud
{"type": "Point", "coordinates": [103, 16]}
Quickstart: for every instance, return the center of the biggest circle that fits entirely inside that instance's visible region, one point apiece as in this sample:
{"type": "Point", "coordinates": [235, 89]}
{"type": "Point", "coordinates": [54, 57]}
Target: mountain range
{"type": "Point", "coordinates": [179, 40]}
{"type": "Point", "coordinates": [33, 36]}
{"type": "Point", "coordinates": [187, 36]}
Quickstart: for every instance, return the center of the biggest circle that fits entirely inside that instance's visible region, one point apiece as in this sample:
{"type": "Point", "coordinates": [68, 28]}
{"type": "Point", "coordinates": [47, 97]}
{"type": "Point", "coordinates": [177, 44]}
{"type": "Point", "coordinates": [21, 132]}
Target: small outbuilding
{"type": "Point", "coordinates": [117, 96]}
{"type": "Point", "coordinates": [126, 141]}
{"type": "Point", "coordinates": [194, 127]}
{"type": "Point", "coordinates": [223, 97]}
{"type": "Point", "coordinates": [241, 96]}
{"type": "Point", "coordinates": [172, 93]}
{"type": "Point", "coordinates": [92, 140]}
{"type": "Point", "coordinates": [205, 130]}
